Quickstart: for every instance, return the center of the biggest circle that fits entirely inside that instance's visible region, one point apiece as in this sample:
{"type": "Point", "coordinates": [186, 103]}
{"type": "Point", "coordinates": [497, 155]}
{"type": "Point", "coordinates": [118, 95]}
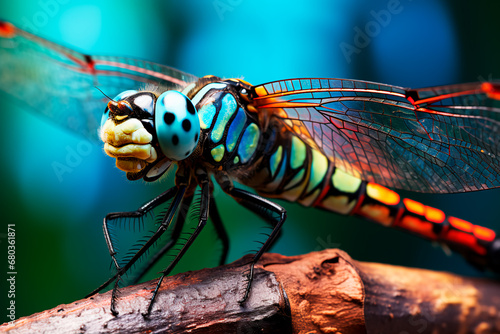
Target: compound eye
{"type": "Point", "coordinates": [119, 97]}
{"type": "Point", "coordinates": [124, 95]}
{"type": "Point", "coordinates": [145, 102]}
{"type": "Point", "coordinates": [177, 125]}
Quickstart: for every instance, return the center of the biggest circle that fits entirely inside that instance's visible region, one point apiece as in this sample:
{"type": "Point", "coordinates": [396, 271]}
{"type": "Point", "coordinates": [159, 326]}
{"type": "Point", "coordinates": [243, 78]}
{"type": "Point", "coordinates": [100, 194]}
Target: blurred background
{"type": "Point", "coordinates": [60, 250]}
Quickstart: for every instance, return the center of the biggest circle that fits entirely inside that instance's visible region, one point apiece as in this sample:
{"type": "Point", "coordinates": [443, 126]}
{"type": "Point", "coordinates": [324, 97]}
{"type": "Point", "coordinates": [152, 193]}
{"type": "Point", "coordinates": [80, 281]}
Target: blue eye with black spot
{"type": "Point", "coordinates": [177, 125]}
{"type": "Point", "coordinates": [121, 96]}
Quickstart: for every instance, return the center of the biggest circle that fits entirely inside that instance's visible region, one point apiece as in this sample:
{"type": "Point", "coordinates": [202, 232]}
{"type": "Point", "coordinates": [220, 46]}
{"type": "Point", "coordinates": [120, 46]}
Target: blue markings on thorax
{"type": "Point", "coordinates": [218, 153]}
{"type": "Point", "coordinates": [201, 94]}
{"type": "Point", "coordinates": [248, 143]}
{"type": "Point", "coordinates": [223, 116]}
{"type": "Point", "coordinates": [206, 114]}
{"type": "Point", "coordinates": [227, 109]}
{"type": "Point", "coordinates": [235, 129]}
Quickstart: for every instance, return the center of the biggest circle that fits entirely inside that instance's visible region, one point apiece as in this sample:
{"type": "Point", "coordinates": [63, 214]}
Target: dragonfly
{"type": "Point", "coordinates": [340, 145]}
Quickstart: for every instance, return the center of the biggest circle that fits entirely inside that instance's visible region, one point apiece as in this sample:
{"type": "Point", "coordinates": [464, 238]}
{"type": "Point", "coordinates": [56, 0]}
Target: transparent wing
{"type": "Point", "coordinates": [59, 83]}
{"type": "Point", "coordinates": [442, 139]}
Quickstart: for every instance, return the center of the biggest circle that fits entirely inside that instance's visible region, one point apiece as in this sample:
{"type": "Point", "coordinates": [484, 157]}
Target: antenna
{"type": "Point", "coordinates": [103, 93]}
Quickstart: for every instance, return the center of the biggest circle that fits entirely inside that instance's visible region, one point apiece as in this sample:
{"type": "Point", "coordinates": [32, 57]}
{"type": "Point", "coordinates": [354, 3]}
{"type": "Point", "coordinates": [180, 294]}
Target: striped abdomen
{"type": "Point", "coordinates": [302, 174]}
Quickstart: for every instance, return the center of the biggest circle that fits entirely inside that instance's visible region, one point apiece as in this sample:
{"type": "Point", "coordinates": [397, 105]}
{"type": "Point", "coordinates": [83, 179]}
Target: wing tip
{"type": "Point", "coordinates": [492, 90]}
{"type": "Point", "coordinates": [7, 30]}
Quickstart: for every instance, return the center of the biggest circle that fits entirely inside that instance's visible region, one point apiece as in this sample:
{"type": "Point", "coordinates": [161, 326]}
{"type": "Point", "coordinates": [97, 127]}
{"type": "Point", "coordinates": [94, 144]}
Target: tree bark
{"type": "Point", "coordinates": [320, 292]}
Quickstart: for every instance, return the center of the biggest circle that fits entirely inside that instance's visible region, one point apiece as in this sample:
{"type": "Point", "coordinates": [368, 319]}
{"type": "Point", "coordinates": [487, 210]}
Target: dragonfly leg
{"type": "Point", "coordinates": [271, 212]}
{"type": "Point", "coordinates": [162, 198]}
{"type": "Point", "coordinates": [112, 218]}
{"type": "Point", "coordinates": [179, 194]}
{"type": "Point", "coordinates": [219, 229]}
{"type": "Point", "coordinates": [176, 232]}
{"type": "Point", "coordinates": [204, 211]}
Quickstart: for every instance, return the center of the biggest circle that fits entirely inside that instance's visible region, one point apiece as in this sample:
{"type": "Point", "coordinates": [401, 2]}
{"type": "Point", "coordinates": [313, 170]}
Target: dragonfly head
{"type": "Point", "coordinates": [171, 118]}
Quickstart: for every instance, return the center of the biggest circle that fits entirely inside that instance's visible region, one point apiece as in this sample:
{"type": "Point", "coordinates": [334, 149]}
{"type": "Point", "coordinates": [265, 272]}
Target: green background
{"type": "Point", "coordinates": [61, 253]}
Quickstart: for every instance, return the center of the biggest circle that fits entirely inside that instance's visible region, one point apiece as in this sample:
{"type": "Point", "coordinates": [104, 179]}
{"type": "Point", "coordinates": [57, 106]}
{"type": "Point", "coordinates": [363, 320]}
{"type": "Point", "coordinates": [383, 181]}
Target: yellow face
{"type": "Point", "coordinates": [125, 133]}
{"type": "Point", "coordinates": [129, 143]}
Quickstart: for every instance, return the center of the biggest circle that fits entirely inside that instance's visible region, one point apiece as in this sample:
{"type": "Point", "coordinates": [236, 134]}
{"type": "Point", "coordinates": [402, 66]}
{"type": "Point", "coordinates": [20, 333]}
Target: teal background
{"type": "Point", "coordinates": [61, 253]}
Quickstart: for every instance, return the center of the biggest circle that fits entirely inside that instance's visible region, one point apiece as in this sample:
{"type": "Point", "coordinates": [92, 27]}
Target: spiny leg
{"type": "Point", "coordinates": [220, 230]}
{"type": "Point", "coordinates": [180, 219]}
{"type": "Point", "coordinates": [165, 223]}
{"type": "Point", "coordinates": [110, 218]}
{"type": "Point", "coordinates": [204, 211]}
{"type": "Point", "coordinates": [177, 228]}
{"type": "Point", "coordinates": [159, 232]}
{"type": "Point", "coordinates": [265, 209]}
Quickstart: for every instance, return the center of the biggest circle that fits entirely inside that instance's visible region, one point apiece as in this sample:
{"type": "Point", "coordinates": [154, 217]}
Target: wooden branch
{"type": "Point", "coordinates": [320, 292]}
